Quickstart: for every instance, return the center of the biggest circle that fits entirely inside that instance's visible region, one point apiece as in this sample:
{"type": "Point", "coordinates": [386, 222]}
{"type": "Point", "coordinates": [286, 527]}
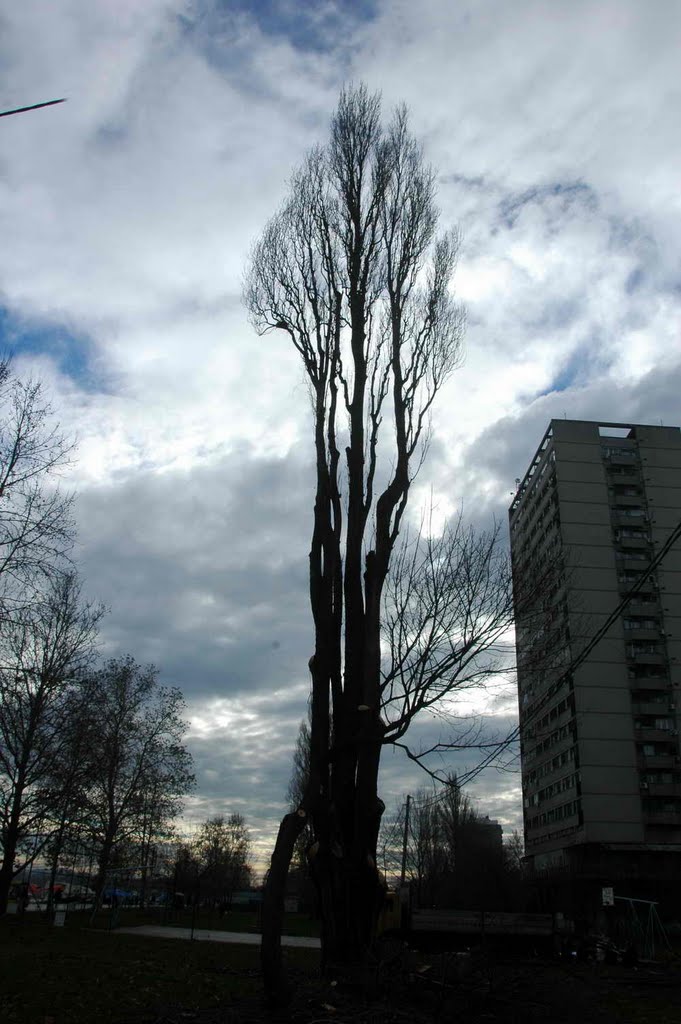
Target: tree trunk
{"type": "Point", "coordinates": [100, 877]}
{"type": "Point", "coordinates": [10, 843]}
{"type": "Point", "coordinates": [276, 988]}
{"type": "Point", "coordinates": [6, 876]}
{"type": "Point", "coordinates": [59, 843]}
{"type": "Point", "coordinates": [350, 896]}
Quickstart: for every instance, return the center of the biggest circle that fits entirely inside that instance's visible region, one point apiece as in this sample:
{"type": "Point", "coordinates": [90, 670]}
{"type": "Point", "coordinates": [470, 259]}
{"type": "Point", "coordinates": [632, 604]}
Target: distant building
{"type": "Point", "coordinates": [490, 832]}
{"type": "Point", "coordinates": [601, 760]}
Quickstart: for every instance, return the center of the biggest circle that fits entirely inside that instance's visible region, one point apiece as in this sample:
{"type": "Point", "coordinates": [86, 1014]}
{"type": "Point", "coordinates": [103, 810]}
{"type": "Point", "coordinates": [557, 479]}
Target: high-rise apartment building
{"type": "Point", "coordinates": [600, 743]}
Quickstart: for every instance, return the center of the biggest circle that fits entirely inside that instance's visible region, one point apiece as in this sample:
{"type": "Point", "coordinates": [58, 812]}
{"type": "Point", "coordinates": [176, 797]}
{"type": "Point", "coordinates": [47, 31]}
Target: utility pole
{"type": "Point", "coordinates": [403, 873]}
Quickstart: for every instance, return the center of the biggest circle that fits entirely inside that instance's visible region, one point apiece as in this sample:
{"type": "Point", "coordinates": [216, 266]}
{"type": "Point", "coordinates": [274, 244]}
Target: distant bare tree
{"type": "Point", "coordinates": [514, 848]}
{"type": "Point", "coordinates": [221, 851]}
{"type": "Point", "coordinates": [138, 760]}
{"type": "Point", "coordinates": [454, 854]}
{"type": "Point", "coordinates": [298, 782]}
{"type": "Point", "coordinates": [45, 649]}
{"type": "Point", "coordinates": [439, 824]}
{"type": "Point", "coordinates": [36, 524]}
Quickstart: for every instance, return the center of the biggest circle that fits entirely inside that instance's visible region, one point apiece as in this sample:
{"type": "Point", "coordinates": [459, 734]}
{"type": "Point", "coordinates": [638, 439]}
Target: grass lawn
{"type": "Point", "coordinates": [79, 976]}
{"type": "Point", "coordinates": [74, 975]}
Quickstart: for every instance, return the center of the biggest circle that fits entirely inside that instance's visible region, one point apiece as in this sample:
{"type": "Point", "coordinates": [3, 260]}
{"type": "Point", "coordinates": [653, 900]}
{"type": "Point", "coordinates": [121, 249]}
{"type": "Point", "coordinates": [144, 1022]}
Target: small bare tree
{"type": "Point", "coordinates": [221, 852]}
{"type": "Point", "coordinates": [138, 761]}
{"type": "Point", "coordinates": [440, 828]}
{"type": "Point", "coordinates": [44, 650]}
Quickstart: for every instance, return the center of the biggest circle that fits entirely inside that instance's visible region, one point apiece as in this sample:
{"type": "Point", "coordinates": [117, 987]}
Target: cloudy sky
{"type": "Point", "coordinates": [126, 216]}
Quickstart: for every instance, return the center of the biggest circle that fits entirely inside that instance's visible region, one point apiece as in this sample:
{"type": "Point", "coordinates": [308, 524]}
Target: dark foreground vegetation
{"type": "Point", "coordinates": [75, 975]}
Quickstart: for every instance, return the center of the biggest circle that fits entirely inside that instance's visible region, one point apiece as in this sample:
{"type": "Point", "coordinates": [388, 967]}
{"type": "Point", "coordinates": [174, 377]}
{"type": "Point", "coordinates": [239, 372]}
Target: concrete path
{"type": "Point", "coordinates": [159, 931]}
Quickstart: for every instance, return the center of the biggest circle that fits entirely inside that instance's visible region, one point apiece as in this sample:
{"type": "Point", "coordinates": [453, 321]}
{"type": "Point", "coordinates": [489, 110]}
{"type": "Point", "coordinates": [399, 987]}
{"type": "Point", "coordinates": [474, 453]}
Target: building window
{"type": "Point", "coordinates": [657, 749]}
{"type": "Point", "coordinates": [625, 453]}
{"type": "Point", "coordinates": [637, 647]}
{"type": "Point", "coordinates": [646, 672]}
{"type": "Point", "coordinates": [631, 532]}
{"type": "Point", "coordinates": [662, 805]}
{"type": "Point", "coordinates": [647, 722]}
{"type": "Point", "coordinates": [629, 576]}
{"type": "Point", "coordinates": [659, 778]}
{"type": "Point", "coordinates": [649, 697]}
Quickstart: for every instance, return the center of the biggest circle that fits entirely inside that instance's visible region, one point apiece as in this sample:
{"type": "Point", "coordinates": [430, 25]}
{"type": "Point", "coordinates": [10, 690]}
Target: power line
{"type": "Point", "coordinates": [34, 106]}
{"type": "Point", "coordinates": [613, 616]}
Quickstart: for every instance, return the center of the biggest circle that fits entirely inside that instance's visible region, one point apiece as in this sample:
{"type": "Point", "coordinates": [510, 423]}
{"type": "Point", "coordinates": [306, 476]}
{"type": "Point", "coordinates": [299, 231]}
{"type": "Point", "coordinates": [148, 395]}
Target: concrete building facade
{"type": "Point", "coordinates": [600, 743]}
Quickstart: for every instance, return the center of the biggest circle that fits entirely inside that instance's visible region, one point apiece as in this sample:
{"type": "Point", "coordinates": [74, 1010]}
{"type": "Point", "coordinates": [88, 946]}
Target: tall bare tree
{"type": "Point", "coordinates": [45, 648]}
{"type": "Point", "coordinates": [352, 271]}
{"type": "Point", "coordinates": [36, 524]}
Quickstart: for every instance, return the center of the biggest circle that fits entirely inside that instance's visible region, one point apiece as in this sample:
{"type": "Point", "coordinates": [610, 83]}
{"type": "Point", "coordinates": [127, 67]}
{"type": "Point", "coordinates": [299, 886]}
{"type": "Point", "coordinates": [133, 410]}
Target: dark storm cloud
{"type": "Point", "coordinates": [205, 570]}
{"type": "Point", "coordinates": [504, 450]}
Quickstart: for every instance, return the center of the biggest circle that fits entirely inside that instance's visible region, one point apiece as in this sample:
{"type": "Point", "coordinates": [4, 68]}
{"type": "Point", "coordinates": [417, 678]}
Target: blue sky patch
{"type": "Point", "coordinates": [315, 28]}
{"type": "Point", "coordinates": [71, 351]}
{"type": "Point", "coordinates": [569, 374]}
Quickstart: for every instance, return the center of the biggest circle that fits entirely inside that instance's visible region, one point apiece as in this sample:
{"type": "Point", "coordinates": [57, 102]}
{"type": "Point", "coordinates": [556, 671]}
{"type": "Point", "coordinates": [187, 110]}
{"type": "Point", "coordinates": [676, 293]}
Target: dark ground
{"type": "Point", "coordinates": [508, 992]}
{"type": "Point", "coordinates": [77, 976]}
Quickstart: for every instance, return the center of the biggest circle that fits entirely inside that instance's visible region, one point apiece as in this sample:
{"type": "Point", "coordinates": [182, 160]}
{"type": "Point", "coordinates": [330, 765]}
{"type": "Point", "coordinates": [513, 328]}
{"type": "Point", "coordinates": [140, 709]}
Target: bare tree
{"type": "Point", "coordinates": [439, 830]}
{"type": "Point", "coordinates": [514, 849]}
{"type": "Point", "coordinates": [44, 650]}
{"type": "Point", "coordinates": [138, 760]}
{"type": "Point", "coordinates": [352, 271]}
{"type": "Point", "coordinates": [428, 859]}
{"type": "Point", "coordinates": [66, 795]}
{"type": "Point", "coordinates": [454, 856]}
{"type": "Point", "coordinates": [452, 605]}
{"type": "Point", "coordinates": [447, 634]}
{"type": "Point", "coordinates": [36, 525]}
{"type": "Point", "coordinates": [221, 852]}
